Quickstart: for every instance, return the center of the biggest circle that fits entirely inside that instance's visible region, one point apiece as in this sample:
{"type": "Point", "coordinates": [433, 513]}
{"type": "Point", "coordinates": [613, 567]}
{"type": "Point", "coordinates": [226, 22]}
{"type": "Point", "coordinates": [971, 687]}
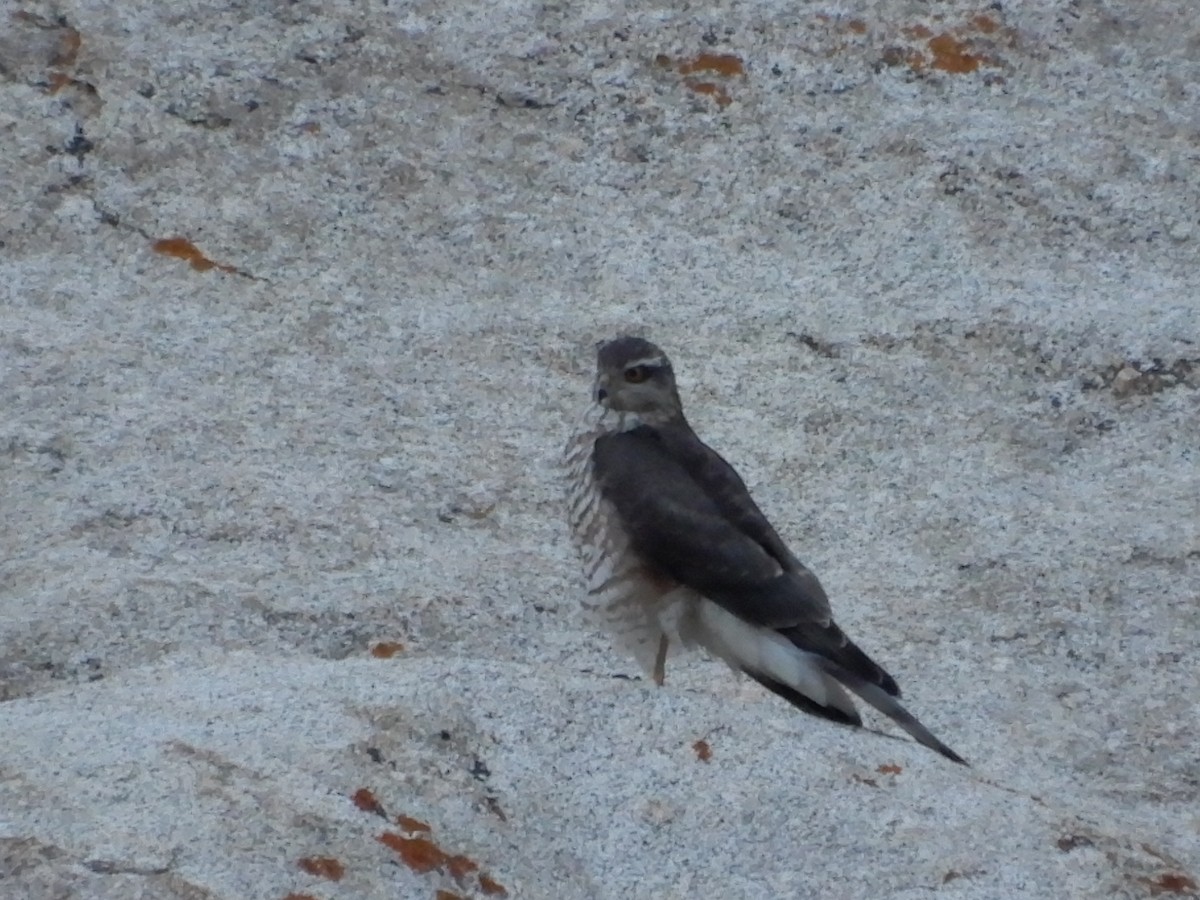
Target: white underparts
{"type": "Point", "coordinates": [621, 595]}
{"type": "Point", "coordinates": [749, 647]}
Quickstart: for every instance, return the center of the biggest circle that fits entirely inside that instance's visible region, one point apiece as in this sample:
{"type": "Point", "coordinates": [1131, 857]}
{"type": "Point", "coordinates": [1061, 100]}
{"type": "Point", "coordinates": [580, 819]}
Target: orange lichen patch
{"type": "Point", "coordinates": [491, 886]}
{"type": "Point", "coordinates": [65, 53]}
{"type": "Point", "coordinates": [322, 867]}
{"type": "Point", "coordinates": [856, 26]}
{"type": "Point", "coordinates": [711, 89]}
{"type": "Point", "coordinates": [460, 867]}
{"type": "Point", "coordinates": [959, 50]}
{"type": "Point", "coordinates": [69, 43]}
{"type": "Point", "coordinates": [409, 824]}
{"type": "Point", "coordinates": [57, 81]}
{"type": "Point", "coordinates": [1171, 883]}
{"type": "Point", "coordinates": [950, 54]}
{"type": "Point", "coordinates": [985, 24]}
{"type": "Point", "coordinates": [182, 248]}
{"type": "Point", "coordinates": [889, 769]}
{"type": "Point", "coordinates": [386, 649]}
{"type": "Point", "coordinates": [365, 800]}
{"type": "Point", "coordinates": [419, 854]}
{"type": "Point", "coordinates": [447, 895]}
{"type": "Point", "coordinates": [724, 64]}
{"type": "Point", "coordinates": [422, 855]}
{"type": "Point", "coordinates": [703, 751]}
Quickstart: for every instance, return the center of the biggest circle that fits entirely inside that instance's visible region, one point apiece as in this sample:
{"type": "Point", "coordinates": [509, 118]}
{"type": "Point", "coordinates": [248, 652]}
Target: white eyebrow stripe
{"type": "Point", "coordinates": [649, 361]}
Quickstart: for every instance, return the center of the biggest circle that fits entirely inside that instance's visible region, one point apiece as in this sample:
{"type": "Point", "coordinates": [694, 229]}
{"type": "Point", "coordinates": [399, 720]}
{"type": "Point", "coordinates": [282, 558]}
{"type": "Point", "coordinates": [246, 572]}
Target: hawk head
{"type": "Point", "coordinates": [633, 375]}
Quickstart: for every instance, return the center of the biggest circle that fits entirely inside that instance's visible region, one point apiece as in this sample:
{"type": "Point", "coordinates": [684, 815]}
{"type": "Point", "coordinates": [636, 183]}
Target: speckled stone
{"type": "Point", "coordinates": [297, 307]}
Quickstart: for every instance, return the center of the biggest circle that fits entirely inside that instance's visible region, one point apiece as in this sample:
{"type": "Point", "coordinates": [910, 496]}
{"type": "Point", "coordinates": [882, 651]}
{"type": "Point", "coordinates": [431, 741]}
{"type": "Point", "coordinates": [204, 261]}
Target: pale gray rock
{"type": "Point", "coordinates": [944, 322]}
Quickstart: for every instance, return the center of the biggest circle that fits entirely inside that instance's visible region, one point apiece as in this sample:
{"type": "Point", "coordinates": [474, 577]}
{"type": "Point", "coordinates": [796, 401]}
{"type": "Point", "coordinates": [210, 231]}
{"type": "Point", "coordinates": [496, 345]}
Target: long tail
{"type": "Point", "coordinates": [890, 707]}
{"type": "Point", "coordinates": [796, 664]}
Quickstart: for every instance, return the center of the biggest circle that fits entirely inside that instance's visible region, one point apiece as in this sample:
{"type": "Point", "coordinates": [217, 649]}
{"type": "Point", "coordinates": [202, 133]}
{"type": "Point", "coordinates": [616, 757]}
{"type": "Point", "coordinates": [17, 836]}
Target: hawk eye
{"type": "Point", "coordinates": [636, 374]}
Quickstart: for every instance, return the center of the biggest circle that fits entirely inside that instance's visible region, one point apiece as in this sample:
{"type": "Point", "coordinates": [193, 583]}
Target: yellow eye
{"type": "Point", "coordinates": [636, 374]}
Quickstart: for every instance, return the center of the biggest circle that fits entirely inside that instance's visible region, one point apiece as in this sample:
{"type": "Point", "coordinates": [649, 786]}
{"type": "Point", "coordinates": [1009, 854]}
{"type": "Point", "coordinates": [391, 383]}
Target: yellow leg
{"type": "Point", "coordinates": [660, 662]}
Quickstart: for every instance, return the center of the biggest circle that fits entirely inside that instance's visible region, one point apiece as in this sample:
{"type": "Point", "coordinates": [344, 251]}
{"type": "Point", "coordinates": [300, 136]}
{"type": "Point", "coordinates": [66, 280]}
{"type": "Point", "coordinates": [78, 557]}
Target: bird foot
{"type": "Point", "coordinates": [660, 662]}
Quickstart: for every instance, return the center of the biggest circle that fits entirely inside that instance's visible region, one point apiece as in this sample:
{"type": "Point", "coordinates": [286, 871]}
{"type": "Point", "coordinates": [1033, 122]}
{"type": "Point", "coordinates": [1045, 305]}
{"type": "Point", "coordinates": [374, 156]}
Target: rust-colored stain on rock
{"type": "Point", "coordinates": [447, 895]}
{"type": "Point", "coordinates": [856, 26]}
{"type": "Point", "coordinates": [182, 248]}
{"type": "Point", "coordinates": [65, 54]}
{"type": "Point", "coordinates": [714, 65]}
{"type": "Point", "coordinates": [322, 867]}
{"type": "Point", "coordinates": [408, 823]}
{"type": "Point", "coordinates": [419, 854]}
{"type": "Point", "coordinates": [711, 89]}
{"type": "Point", "coordinates": [386, 649]}
{"type": "Point", "coordinates": [422, 855]}
{"type": "Point", "coordinates": [69, 43]}
{"type": "Point", "coordinates": [1171, 883]}
{"type": "Point", "coordinates": [491, 886]}
{"type": "Point", "coordinates": [951, 55]}
{"type": "Point", "coordinates": [365, 800]}
{"type": "Point", "coordinates": [889, 769]}
{"type": "Point", "coordinates": [56, 81]}
{"type": "Point", "coordinates": [461, 866]}
{"type": "Point", "coordinates": [959, 50]}
{"type": "Point", "coordinates": [985, 24]}
{"type": "Point", "coordinates": [703, 750]}
{"type": "Point", "coordinates": [725, 64]}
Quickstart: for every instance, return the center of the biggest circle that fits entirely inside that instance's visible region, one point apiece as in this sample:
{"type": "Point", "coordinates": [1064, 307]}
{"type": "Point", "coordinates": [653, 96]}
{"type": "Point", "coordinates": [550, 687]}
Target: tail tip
{"type": "Point", "coordinates": [951, 755]}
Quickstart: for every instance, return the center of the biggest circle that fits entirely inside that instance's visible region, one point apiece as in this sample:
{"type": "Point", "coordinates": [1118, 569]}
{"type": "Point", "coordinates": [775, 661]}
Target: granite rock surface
{"type": "Point", "coordinates": [297, 308]}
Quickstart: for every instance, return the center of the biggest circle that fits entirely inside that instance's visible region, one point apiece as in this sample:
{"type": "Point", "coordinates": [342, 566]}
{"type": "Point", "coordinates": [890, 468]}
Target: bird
{"type": "Point", "coordinates": [675, 550]}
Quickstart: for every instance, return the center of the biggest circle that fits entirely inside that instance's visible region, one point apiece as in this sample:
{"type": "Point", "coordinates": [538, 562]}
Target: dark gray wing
{"type": "Point", "coordinates": [723, 485]}
{"type": "Point", "coordinates": [689, 515]}
{"type": "Point", "coordinates": [675, 526]}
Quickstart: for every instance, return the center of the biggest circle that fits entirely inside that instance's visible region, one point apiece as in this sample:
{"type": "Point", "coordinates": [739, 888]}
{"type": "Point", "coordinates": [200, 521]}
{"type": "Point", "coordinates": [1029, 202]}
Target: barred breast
{"type": "Point", "coordinates": [622, 594]}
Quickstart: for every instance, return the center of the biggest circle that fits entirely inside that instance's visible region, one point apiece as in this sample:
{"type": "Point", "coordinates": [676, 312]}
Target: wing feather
{"type": "Point", "coordinates": [689, 515]}
{"type": "Point", "coordinates": [677, 527]}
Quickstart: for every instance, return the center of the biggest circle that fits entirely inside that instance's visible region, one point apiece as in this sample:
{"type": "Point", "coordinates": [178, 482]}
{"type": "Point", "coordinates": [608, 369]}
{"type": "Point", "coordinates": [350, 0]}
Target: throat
{"type": "Point", "coordinates": [614, 421]}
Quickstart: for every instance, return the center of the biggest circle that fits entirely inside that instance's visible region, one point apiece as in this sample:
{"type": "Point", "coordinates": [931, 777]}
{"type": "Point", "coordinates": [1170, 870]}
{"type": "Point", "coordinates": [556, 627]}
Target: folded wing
{"type": "Point", "coordinates": [690, 516]}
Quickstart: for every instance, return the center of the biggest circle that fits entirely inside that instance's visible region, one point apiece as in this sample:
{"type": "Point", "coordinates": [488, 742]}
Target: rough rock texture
{"type": "Point", "coordinates": [297, 306]}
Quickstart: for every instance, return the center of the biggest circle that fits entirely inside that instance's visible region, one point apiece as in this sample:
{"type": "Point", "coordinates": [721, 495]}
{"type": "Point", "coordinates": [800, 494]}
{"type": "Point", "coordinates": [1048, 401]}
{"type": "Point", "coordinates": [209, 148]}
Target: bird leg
{"type": "Point", "coordinates": [660, 661]}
